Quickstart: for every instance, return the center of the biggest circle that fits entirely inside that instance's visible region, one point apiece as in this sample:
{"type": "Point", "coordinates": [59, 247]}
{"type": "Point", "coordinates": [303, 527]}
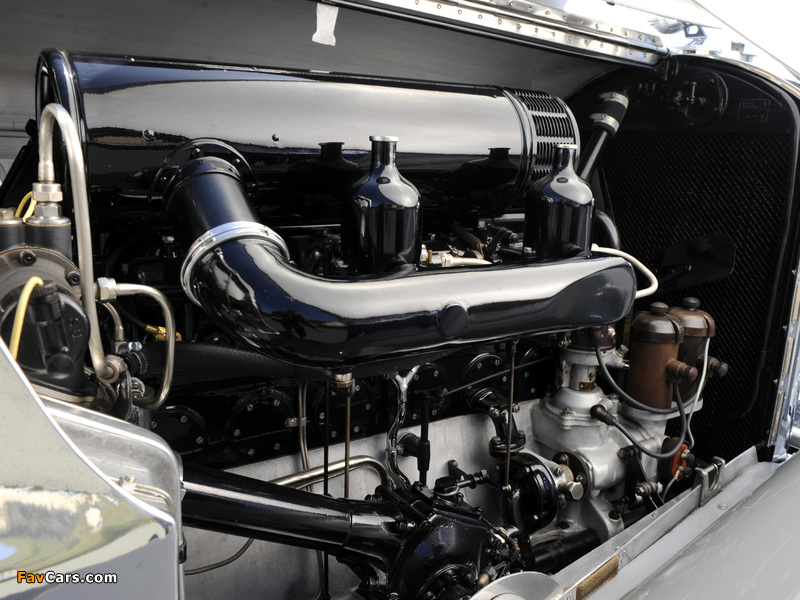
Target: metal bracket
{"type": "Point", "coordinates": [710, 479]}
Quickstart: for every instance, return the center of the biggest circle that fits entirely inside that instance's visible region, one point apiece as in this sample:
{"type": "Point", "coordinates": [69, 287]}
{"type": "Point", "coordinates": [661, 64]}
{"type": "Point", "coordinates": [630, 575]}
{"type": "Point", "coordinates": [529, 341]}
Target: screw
{"type": "Point", "coordinates": [563, 459]}
{"type": "Point", "coordinates": [367, 406]}
{"type": "Point", "coordinates": [333, 434]}
{"type": "Point", "coordinates": [558, 471]}
{"type": "Point", "coordinates": [199, 440]}
{"type": "Point", "coordinates": [436, 373]}
{"type": "Point", "coordinates": [497, 362]}
{"type": "Point", "coordinates": [434, 412]}
{"type": "Point", "coordinates": [356, 429]}
{"type": "Point", "coordinates": [479, 366]}
{"type": "Point", "coordinates": [196, 152]}
{"type": "Point", "coordinates": [722, 506]}
{"type": "Point", "coordinates": [73, 278]}
{"type": "Point", "coordinates": [153, 425]}
{"type": "Point", "coordinates": [249, 407]}
{"type": "Point", "coordinates": [516, 408]}
{"type": "Point", "coordinates": [149, 134]}
{"type": "Point", "coordinates": [276, 447]}
{"type": "Point", "coordinates": [276, 137]}
{"type": "Point", "coordinates": [27, 258]}
{"type": "Point", "coordinates": [414, 416]}
{"type": "Point", "coordinates": [358, 388]}
{"type": "Point", "coordinates": [237, 432]}
{"type": "Point", "coordinates": [251, 452]}
{"type": "Point", "coordinates": [322, 416]}
{"type": "Point", "coordinates": [494, 412]}
{"type": "Point", "coordinates": [184, 419]}
{"type": "Point", "coordinates": [276, 403]}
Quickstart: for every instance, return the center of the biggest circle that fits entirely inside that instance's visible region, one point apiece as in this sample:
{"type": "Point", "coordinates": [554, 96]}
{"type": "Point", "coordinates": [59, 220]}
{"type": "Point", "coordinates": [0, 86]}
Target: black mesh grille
{"type": "Point", "coordinates": [666, 188]}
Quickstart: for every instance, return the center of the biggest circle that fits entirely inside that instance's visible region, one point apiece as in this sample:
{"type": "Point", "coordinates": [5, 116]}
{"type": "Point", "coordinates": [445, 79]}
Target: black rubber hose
{"type": "Point", "coordinates": [609, 228]}
{"type": "Point", "coordinates": [195, 363]}
{"type": "Point", "coordinates": [466, 236]}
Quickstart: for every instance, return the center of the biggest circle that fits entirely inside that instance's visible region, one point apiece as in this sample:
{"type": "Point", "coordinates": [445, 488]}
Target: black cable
{"type": "Point", "coordinates": [609, 227]}
{"type": "Point", "coordinates": [499, 235]}
{"type": "Point", "coordinates": [600, 413]}
{"type": "Point", "coordinates": [221, 563]}
{"type": "Point", "coordinates": [629, 400]}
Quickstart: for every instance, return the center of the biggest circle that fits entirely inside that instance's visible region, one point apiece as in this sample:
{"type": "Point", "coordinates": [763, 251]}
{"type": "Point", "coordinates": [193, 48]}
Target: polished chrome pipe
{"type": "Point", "coordinates": [53, 114]}
{"type": "Point", "coordinates": [133, 289]}
{"type": "Point", "coordinates": [309, 477]}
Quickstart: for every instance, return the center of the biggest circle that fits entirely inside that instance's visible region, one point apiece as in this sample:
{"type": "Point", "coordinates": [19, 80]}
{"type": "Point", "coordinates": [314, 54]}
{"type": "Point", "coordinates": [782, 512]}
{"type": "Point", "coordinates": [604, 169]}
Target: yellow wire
{"type": "Point", "coordinates": [19, 316]}
{"type": "Point", "coordinates": [29, 212]}
{"type": "Point", "coordinates": [22, 204]}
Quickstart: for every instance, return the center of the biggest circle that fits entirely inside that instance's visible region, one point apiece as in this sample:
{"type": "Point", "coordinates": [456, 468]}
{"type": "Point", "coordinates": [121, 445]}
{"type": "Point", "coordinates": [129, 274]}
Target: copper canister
{"type": "Point", "coordinates": [698, 327]}
{"type": "Point", "coordinates": [655, 342]}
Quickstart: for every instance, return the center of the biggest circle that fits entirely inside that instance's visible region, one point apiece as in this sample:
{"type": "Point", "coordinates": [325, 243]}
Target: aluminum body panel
{"type": "Point", "coordinates": [61, 513]}
{"type": "Point", "coordinates": [745, 553]}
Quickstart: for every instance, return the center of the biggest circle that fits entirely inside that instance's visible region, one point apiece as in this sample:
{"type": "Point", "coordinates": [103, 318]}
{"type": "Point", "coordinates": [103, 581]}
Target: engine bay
{"type": "Point", "coordinates": [441, 332]}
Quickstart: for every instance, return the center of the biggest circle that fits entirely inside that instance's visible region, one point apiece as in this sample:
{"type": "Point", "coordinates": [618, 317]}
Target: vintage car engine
{"type": "Point", "coordinates": [252, 263]}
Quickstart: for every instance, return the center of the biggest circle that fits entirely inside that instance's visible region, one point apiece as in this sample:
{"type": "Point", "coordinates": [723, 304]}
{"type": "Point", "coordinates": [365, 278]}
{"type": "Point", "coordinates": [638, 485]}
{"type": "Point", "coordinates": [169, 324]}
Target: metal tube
{"type": "Point", "coordinates": [317, 474]}
{"type": "Point", "coordinates": [132, 289]}
{"type": "Point", "coordinates": [119, 330]}
{"type": "Point", "coordinates": [55, 113]}
{"type": "Point", "coordinates": [510, 409]}
{"type": "Point", "coordinates": [402, 383]}
{"type": "Point", "coordinates": [348, 403]}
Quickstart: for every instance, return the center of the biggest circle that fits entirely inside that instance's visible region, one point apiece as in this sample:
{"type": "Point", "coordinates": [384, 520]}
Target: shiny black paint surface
{"type": "Point", "coordinates": [558, 211]}
{"type": "Point", "coordinates": [270, 305]}
{"type": "Point", "coordinates": [381, 219]}
{"type": "Point", "coordinates": [230, 503]}
{"type": "Point", "coordinates": [134, 113]}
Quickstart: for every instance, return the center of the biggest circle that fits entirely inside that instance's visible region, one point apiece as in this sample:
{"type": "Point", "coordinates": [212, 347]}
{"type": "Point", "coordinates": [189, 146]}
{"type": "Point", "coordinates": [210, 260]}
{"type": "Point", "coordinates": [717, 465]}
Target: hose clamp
{"type": "Point", "coordinates": [604, 119]}
{"type": "Point", "coordinates": [213, 238]}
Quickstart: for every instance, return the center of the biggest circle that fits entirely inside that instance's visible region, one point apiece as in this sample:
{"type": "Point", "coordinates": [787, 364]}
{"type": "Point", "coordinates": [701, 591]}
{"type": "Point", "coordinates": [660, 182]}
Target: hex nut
{"type": "Point", "coordinates": [105, 289]}
{"type": "Point", "coordinates": [47, 192]}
